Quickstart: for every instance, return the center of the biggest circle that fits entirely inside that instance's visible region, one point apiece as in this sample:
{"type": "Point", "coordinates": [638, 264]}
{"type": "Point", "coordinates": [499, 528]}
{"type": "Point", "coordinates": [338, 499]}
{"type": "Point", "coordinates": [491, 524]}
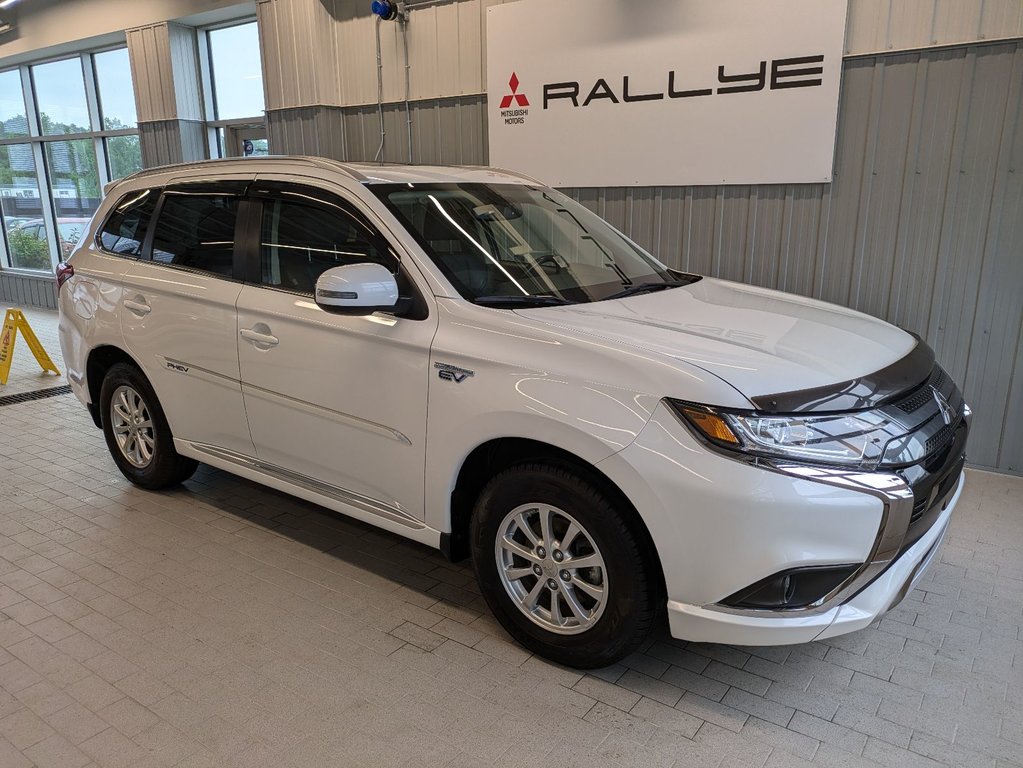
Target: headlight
{"type": "Point", "coordinates": [850, 439]}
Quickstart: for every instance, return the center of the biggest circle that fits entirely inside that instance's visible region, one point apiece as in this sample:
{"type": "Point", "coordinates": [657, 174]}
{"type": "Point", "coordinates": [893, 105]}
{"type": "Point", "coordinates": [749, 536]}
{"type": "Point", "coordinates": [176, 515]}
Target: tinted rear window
{"type": "Point", "coordinates": [125, 228]}
{"type": "Point", "coordinates": [197, 231]}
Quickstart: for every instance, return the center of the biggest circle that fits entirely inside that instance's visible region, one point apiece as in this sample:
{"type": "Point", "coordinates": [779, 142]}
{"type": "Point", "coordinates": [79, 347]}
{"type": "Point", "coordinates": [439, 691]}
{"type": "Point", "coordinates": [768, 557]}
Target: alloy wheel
{"type": "Point", "coordinates": [132, 425]}
{"type": "Point", "coordinates": [551, 568]}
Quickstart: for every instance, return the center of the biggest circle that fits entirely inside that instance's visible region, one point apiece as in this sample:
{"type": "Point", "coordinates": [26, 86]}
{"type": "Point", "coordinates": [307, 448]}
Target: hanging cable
{"type": "Point", "coordinates": [380, 95]}
{"type": "Point", "coordinates": [408, 90]}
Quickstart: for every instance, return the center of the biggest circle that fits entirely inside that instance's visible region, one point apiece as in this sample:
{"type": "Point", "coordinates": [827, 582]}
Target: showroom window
{"type": "Point", "coordinates": [233, 88]}
{"type": "Point", "coordinates": [67, 127]}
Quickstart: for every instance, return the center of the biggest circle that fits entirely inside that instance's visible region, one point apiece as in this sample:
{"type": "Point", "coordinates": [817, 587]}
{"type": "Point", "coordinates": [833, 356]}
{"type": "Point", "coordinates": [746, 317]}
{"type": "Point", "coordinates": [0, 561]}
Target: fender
{"type": "Point", "coordinates": [444, 460]}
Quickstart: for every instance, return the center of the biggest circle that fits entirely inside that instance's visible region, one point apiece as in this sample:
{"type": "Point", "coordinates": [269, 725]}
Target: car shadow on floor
{"type": "Point", "coordinates": [418, 574]}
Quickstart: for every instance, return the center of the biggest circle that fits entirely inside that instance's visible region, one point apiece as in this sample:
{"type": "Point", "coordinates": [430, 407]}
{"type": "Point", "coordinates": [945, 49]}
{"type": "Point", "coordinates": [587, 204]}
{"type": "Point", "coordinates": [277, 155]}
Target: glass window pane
{"type": "Point", "coordinates": [74, 183]}
{"type": "Point", "coordinates": [300, 242]}
{"type": "Point", "coordinates": [22, 208]}
{"type": "Point", "coordinates": [197, 231]}
{"type": "Point", "coordinates": [116, 93]}
{"type": "Point", "coordinates": [125, 229]}
{"type": "Point", "coordinates": [60, 96]}
{"type": "Point", "coordinates": [12, 105]}
{"type": "Point", "coordinates": [124, 154]}
{"type": "Point", "coordinates": [237, 73]}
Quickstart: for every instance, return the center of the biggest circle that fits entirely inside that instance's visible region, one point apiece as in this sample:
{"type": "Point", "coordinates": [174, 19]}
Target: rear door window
{"type": "Point", "coordinates": [124, 230]}
{"type": "Point", "coordinates": [196, 231]}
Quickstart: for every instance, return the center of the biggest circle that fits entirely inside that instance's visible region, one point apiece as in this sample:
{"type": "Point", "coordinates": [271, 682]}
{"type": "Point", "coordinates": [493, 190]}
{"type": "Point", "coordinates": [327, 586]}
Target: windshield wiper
{"type": "Point", "coordinates": [521, 301]}
{"type": "Point", "coordinates": [638, 288]}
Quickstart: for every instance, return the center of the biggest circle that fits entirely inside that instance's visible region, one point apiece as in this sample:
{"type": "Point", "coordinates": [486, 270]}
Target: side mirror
{"type": "Point", "coordinates": [357, 289]}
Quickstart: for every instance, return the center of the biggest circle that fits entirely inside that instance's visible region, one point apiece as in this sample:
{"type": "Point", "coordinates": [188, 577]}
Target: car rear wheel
{"type": "Point", "coordinates": [561, 566]}
{"type": "Point", "coordinates": [137, 433]}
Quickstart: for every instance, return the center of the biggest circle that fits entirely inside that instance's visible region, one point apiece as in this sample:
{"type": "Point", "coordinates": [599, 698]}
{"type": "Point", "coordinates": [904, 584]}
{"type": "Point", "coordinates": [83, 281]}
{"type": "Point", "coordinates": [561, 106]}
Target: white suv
{"type": "Point", "coordinates": [468, 358]}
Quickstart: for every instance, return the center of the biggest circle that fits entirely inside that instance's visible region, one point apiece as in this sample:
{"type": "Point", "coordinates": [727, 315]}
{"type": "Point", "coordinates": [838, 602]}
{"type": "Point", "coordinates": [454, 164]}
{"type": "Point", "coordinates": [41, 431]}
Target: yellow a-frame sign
{"type": "Point", "coordinates": [15, 321]}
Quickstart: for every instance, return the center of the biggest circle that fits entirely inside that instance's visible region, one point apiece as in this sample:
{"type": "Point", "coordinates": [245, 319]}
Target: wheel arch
{"type": "Point", "coordinates": [100, 360]}
{"type": "Point", "coordinates": [498, 454]}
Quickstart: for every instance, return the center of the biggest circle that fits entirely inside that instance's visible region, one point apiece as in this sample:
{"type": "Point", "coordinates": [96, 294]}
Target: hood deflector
{"type": "Point", "coordinates": [868, 391]}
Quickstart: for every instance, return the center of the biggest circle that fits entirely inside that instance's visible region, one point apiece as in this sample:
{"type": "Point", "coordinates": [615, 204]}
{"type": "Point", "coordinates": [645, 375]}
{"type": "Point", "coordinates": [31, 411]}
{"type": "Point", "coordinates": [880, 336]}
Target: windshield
{"type": "Point", "coordinates": [518, 244]}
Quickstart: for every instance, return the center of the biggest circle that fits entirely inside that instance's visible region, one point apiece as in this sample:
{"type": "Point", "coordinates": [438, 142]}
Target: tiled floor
{"type": "Point", "coordinates": [221, 624]}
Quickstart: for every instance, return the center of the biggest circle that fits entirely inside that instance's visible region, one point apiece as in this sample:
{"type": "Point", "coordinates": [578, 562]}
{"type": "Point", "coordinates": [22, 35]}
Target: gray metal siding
{"type": "Point", "coordinates": [445, 131]}
{"type": "Point", "coordinates": [24, 291]}
{"type": "Point", "coordinates": [878, 26]}
{"type": "Point", "coordinates": [172, 141]}
{"type": "Point", "coordinates": [323, 52]}
{"type": "Point", "coordinates": [149, 49]}
{"type": "Point", "coordinates": [922, 226]}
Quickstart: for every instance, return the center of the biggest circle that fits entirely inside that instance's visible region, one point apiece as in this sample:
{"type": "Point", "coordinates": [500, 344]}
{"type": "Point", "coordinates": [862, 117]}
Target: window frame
{"type": "Point", "coordinates": [38, 141]}
{"type": "Point", "coordinates": [214, 123]}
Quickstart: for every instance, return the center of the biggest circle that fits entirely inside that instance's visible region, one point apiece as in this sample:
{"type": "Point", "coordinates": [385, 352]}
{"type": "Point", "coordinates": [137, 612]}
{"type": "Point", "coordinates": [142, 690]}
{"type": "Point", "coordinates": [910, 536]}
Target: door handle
{"type": "Point", "coordinates": [140, 308]}
{"type": "Point", "coordinates": [261, 339]}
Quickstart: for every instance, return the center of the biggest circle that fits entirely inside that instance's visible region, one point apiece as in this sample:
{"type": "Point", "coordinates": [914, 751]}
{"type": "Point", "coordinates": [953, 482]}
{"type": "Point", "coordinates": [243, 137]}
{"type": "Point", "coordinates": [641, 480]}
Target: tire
{"type": "Point", "coordinates": [149, 461]}
{"type": "Point", "coordinates": [605, 624]}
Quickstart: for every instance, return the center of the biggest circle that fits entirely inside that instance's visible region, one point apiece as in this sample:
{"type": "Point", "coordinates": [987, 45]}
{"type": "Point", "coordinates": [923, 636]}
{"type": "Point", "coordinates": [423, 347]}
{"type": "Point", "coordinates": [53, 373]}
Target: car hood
{"type": "Point", "coordinates": [760, 341]}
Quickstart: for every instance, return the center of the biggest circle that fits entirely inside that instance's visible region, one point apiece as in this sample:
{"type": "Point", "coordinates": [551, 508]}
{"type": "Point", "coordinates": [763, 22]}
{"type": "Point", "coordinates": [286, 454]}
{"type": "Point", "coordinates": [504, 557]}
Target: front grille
{"type": "Point", "coordinates": [917, 401]}
{"type": "Point", "coordinates": [940, 439]}
{"type": "Point", "coordinates": [918, 510]}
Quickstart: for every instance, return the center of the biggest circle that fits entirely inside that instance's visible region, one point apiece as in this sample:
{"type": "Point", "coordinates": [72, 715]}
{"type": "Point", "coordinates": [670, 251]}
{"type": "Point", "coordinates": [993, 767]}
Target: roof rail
{"type": "Point", "coordinates": [506, 172]}
{"type": "Point", "coordinates": [319, 162]}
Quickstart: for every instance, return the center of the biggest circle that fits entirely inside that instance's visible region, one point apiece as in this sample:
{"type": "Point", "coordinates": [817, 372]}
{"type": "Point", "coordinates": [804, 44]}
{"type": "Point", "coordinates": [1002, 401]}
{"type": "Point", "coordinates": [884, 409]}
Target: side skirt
{"type": "Point", "coordinates": [349, 503]}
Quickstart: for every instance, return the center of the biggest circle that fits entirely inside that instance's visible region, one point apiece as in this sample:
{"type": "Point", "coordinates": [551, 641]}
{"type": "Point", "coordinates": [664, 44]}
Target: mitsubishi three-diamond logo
{"type": "Point", "coordinates": [519, 98]}
{"type": "Point", "coordinates": [947, 414]}
{"type": "Point", "coordinates": [514, 116]}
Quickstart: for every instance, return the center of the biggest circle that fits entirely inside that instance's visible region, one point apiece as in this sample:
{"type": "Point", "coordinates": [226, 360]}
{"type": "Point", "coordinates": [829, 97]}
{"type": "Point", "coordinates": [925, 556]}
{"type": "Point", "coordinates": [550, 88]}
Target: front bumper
{"type": "Point", "coordinates": [721, 524]}
{"type": "Point", "coordinates": [714, 624]}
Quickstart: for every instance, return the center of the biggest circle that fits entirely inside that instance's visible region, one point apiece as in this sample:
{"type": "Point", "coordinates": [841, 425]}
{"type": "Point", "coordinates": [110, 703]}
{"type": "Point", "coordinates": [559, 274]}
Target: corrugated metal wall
{"type": "Point", "coordinates": [876, 26]}
{"type": "Point", "coordinates": [445, 132]}
{"type": "Point", "coordinates": [323, 52]}
{"type": "Point", "coordinates": [25, 291]}
{"type": "Point", "coordinates": [922, 226]}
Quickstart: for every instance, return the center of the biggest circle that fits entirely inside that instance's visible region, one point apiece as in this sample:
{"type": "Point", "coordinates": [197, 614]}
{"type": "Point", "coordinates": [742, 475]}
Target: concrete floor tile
{"type": "Point", "coordinates": [76, 723]}
{"type": "Point", "coordinates": [224, 625]}
{"type": "Point", "coordinates": [56, 752]}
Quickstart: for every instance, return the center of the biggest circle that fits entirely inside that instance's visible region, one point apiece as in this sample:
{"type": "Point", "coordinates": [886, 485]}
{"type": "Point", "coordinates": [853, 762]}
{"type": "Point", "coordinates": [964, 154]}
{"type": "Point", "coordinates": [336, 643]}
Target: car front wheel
{"type": "Point", "coordinates": [561, 566]}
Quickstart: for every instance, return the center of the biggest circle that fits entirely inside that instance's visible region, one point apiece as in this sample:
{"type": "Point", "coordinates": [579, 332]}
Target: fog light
{"type": "Point", "coordinates": [791, 589]}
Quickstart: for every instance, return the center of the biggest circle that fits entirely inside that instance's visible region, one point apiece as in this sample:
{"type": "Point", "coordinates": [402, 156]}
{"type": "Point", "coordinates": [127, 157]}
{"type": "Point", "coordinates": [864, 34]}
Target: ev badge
{"type": "Point", "coordinates": [943, 406]}
{"type": "Point", "coordinates": [452, 372]}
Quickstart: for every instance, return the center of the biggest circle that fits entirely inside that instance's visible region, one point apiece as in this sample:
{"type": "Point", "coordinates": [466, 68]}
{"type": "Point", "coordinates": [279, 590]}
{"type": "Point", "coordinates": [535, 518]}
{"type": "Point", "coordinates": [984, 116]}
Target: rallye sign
{"type": "Point", "coordinates": [665, 92]}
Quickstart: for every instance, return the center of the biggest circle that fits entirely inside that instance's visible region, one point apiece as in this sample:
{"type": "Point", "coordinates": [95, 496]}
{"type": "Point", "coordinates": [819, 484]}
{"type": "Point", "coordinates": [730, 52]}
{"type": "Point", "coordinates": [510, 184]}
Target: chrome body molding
{"type": "Point", "coordinates": [391, 512]}
{"type": "Point", "coordinates": [347, 418]}
{"type": "Point", "coordinates": [922, 566]}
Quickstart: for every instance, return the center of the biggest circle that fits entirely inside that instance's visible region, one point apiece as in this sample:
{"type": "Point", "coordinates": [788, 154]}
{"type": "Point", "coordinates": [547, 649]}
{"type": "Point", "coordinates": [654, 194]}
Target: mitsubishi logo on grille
{"type": "Point", "coordinates": [943, 406]}
{"type": "Point", "coordinates": [519, 98]}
